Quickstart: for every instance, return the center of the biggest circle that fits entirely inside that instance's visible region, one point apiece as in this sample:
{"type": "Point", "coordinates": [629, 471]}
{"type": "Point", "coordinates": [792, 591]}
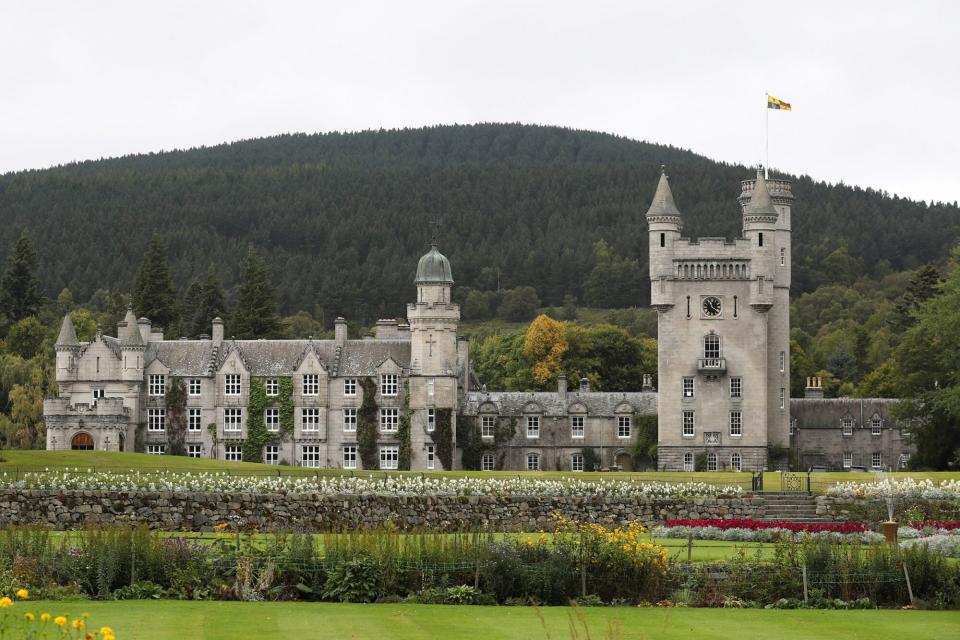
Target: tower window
{"type": "Point", "coordinates": [663, 239]}
{"type": "Point", "coordinates": [688, 307]}
{"type": "Point", "coordinates": [735, 310]}
{"type": "Point", "coordinates": [711, 346]}
{"type": "Point", "coordinates": [783, 256]}
{"type": "Point", "coordinates": [760, 238]}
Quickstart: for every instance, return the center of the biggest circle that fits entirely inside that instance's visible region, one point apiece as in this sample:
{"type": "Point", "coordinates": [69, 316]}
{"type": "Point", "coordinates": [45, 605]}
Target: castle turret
{"type": "Point", "coordinates": [759, 227]}
{"type": "Point", "coordinates": [132, 346]}
{"type": "Point", "coordinates": [67, 348]}
{"type": "Point", "coordinates": [433, 317]}
{"type": "Point", "coordinates": [665, 223]}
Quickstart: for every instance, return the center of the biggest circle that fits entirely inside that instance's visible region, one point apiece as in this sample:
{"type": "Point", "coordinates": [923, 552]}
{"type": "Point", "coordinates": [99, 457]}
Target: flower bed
{"type": "Point", "coordinates": [756, 525]}
{"type": "Point", "coordinates": [743, 530]}
{"type": "Point", "coordinates": [944, 544]}
{"type": "Point", "coordinates": [908, 488]}
{"type": "Point", "coordinates": [359, 485]}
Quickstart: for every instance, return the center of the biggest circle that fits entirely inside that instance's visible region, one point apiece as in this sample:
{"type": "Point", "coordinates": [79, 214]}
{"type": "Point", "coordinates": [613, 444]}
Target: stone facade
{"type": "Point", "coordinates": [723, 331]}
{"type": "Point", "coordinates": [169, 511]}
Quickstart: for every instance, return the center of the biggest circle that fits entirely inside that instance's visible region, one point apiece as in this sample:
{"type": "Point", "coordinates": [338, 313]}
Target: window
{"type": "Point", "coordinates": [311, 384]}
{"type": "Point", "coordinates": [847, 425]}
{"type": "Point", "coordinates": [431, 419]}
{"type": "Point", "coordinates": [486, 462]}
{"type": "Point", "coordinates": [487, 426]}
{"type": "Point", "coordinates": [310, 419]}
{"type": "Point", "coordinates": [736, 462]}
{"type": "Point", "coordinates": [389, 457]}
{"type": "Point", "coordinates": [877, 460]}
{"type": "Point", "coordinates": [157, 385]}
{"type": "Point", "coordinates": [533, 426]}
{"type": "Point", "coordinates": [783, 397]}
{"type": "Point", "coordinates": [576, 462]}
{"type": "Point", "coordinates": [688, 424]}
{"type": "Point", "coordinates": [98, 392]}
{"type": "Point", "coordinates": [233, 452]}
{"type": "Point", "coordinates": [349, 419]}
{"type": "Point", "coordinates": [904, 460]}
{"type": "Point", "coordinates": [711, 346]}
{"type": "Point", "coordinates": [350, 457]}
{"type": "Point", "coordinates": [736, 424]}
{"type": "Point", "coordinates": [231, 384]}
{"type": "Point", "coordinates": [271, 418]}
{"type": "Point", "coordinates": [272, 387]}
{"type": "Point", "coordinates": [783, 361]}
{"type": "Point", "coordinates": [232, 418]}
{"type": "Point", "coordinates": [193, 387]}
{"type": "Point", "coordinates": [736, 387]}
{"type": "Point", "coordinates": [310, 455]}
{"type": "Point", "coordinates": [736, 308]}
{"type": "Point", "coordinates": [389, 419]}
{"type": "Point", "coordinates": [875, 426]}
{"type": "Point", "coordinates": [388, 384]}
{"type": "Point", "coordinates": [576, 426]}
{"type": "Point", "coordinates": [431, 388]}
{"type": "Point", "coordinates": [711, 461]}
{"type": "Point", "coordinates": [688, 461]}
{"type": "Point", "coordinates": [760, 238]}
{"type": "Point", "coordinates": [663, 239]}
{"type": "Point", "coordinates": [793, 426]}
{"type": "Point", "coordinates": [847, 459]}
{"type": "Point", "coordinates": [194, 450]}
{"type": "Point", "coordinates": [533, 462]}
{"type": "Point", "coordinates": [156, 449]}
{"type": "Point", "coordinates": [688, 387]}
{"type": "Point", "coordinates": [688, 307]}
{"type": "Point", "coordinates": [430, 457]}
{"type": "Point", "coordinates": [156, 419]}
{"type": "Point", "coordinates": [350, 387]}
{"type": "Point", "coordinates": [783, 256]}
{"type": "Point", "coordinates": [271, 454]}
{"type": "Point", "coordinates": [194, 419]}
{"type": "Point", "coordinates": [623, 426]}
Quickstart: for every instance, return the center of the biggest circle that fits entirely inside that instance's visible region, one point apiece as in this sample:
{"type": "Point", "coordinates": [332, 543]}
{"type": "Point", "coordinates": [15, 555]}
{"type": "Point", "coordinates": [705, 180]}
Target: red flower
{"type": "Point", "coordinates": [950, 525]}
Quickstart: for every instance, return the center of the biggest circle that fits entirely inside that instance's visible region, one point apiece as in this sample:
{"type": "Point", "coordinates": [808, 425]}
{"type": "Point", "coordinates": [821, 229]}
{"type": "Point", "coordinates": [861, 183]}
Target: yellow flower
{"type": "Point", "coordinates": [89, 636]}
{"type": "Point", "coordinates": [5, 602]}
{"type": "Point", "coordinates": [107, 631]}
{"type": "Point", "coordinates": [78, 624]}
{"type": "Point", "coordinates": [23, 594]}
{"type": "Point", "coordinates": [29, 617]}
{"type": "Point", "coordinates": [45, 617]}
{"type": "Point", "coordinates": [60, 621]}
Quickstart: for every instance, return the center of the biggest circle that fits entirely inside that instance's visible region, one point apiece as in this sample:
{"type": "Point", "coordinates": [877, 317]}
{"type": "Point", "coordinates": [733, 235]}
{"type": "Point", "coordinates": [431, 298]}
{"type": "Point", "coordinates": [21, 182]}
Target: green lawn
{"type": "Point", "coordinates": [14, 462]}
{"type": "Point", "coordinates": [156, 620]}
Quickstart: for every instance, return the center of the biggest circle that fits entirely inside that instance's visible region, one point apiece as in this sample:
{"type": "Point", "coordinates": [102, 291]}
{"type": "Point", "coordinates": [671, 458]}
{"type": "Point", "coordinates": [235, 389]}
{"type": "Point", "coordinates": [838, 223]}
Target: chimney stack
{"type": "Point", "coordinates": [647, 382]}
{"type": "Point", "coordinates": [562, 386]}
{"type": "Point", "coordinates": [145, 329]}
{"type": "Point", "coordinates": [584, 384]}
{"type": "Point", "coordinates": [387, 330]}
{"type": "Point", "coordinates": [814, 388]}
{"type": "Point", "coordinates": [216, 330]}
{"type": "Point", "coordinates": [340, 331]}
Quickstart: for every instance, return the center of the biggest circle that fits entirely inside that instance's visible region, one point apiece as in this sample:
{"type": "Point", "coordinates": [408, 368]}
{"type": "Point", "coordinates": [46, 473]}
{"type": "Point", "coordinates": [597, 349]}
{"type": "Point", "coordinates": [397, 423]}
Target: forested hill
{"type": "Point", "coordinates": [342, 218]}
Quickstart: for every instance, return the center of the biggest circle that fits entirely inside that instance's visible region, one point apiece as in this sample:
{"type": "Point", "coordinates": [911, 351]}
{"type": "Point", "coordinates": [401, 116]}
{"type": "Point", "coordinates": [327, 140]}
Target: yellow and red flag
{"type": "Point", "coordinates": [777, 103]}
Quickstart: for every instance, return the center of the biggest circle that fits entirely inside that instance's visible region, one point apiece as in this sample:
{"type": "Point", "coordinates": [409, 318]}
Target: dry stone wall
{"type": "Point", "coordinates": [280, 512]}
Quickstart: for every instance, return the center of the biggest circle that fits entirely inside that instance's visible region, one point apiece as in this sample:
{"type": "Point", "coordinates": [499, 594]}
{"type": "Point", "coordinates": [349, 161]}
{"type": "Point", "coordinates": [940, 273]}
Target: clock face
{"type": "Point", "coordinates": [711, 307]}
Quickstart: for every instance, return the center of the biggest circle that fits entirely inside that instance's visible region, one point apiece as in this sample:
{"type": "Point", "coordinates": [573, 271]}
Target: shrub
{"type": "Point", "coordinates": [353, 580]}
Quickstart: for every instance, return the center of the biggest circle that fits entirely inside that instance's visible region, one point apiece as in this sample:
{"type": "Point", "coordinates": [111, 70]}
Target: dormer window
{"type": "Point", "coordinates": [157, 384]}
{"type": "Point", "coordinates": [231, 384]}
{"type": "Point", "coordinates": [388, 384]}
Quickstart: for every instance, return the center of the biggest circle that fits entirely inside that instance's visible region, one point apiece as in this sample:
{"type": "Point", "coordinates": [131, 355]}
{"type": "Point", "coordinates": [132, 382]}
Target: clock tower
{"type": "Point", "coordinates": [723, 311]}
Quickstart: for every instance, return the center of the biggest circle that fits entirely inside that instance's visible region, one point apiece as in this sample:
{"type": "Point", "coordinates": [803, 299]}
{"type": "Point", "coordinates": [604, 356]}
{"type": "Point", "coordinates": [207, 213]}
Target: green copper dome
{"type": "Point", "coordinates": [434, 268]}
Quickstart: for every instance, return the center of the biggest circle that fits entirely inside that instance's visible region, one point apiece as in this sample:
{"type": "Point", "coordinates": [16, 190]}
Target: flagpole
{"type": "Point", "coordinates": [766, 136]}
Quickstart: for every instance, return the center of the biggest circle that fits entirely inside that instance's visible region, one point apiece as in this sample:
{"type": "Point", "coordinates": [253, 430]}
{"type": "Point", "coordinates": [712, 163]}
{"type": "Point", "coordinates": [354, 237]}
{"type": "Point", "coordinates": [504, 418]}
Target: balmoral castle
{"type": "Point", "coordinates": [723, 376]}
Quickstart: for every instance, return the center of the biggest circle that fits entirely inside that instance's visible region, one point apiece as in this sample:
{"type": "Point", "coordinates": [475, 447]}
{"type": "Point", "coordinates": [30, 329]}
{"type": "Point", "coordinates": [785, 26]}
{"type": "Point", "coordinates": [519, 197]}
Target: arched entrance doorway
{"type": "Point", "coordinates": [82, 442]}
{"type": "Point", "coordinates": [123, 442]}
{"type": "Point", "coordinates": [624, 461]}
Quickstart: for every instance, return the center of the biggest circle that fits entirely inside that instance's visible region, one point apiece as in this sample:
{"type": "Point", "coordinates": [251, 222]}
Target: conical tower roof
{"type": "Point", "coordinates": [433, 268]}
{"type": "Point", "coordinates": [130, 336]}
{"type": "Point", "coordinates": [663, 204]}
{"type": "Point", "coordinates": [68, 335]}
{"type": "Point", "coordinates": [760, 202]}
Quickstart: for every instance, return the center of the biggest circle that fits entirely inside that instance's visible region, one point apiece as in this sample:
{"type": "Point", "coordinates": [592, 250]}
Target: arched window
{"type": "Point", "coordinates": [711, 462]}
{"type": "Point", "coordinates": [688, 461]}
{"type": "Point", "coordinates": [711, 346]}
{"type": "Point", "coordinates": [82, 442]}
{"type": "Point", "coordinates": [736, 462]}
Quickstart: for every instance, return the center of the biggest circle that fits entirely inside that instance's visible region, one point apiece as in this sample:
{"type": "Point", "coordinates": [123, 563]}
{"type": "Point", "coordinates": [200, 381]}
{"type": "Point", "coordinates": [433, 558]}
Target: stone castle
{"type": "Point", "coordinates": [723, 374]}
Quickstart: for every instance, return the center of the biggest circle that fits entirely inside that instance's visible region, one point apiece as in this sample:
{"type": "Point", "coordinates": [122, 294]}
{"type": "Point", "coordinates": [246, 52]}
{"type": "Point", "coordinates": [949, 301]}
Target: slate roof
{"type": "Point", "coordinates": [597, 403]}
{"type": "Point", "coordinates": [68, 335]}
{"type": "Point", "coordinates": [826, 413]}
{"type": "Point", "coordinates": [277, 357]}
{"type": "Point", "coordinates": [663, 204]}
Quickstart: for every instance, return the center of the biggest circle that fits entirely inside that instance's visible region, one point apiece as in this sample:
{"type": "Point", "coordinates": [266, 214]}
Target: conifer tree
{"type": "Point", "coordinates": [256, 314]}
{"type": "Point", "coordinates": [19, 288]}
{"type": "Point", "coordinates": [153, 293]}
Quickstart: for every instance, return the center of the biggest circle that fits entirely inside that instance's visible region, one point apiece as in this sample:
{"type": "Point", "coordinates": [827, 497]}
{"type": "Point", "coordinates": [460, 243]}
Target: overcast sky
{"type": "Point", "coordinates": [875, 86]}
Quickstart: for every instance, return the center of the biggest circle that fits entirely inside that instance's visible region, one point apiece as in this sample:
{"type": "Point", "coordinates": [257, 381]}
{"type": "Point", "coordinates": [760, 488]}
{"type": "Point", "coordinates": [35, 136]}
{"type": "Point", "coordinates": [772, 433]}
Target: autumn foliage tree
{"type": "Point", "coordinates": [544, 346]}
